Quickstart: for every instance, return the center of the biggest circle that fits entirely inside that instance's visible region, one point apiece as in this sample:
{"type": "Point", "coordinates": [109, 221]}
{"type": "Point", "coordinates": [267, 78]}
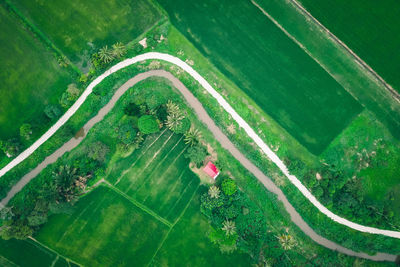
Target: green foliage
{"type": "Point", "coordinates": [106, 55]}
{"type": "Point", "coordinates": [148, 124]}
{"type": "Point", "coordinates": [192, 136]}
{"type": "Point", "coordinates": [236, 218]}
{"type": "Point", "coordinates": [69, 96]}
{"type": "Point", "coordinates": [25, 131]}
{"type": "Point", "coordinates": [98, 151]}
{"type": "Point", "coordinates": [154, 99]}
{"type": "Point", "coordinates": [119, 50]}
{"type": "Point", "coordinates": [52, 111]}
{"type": "Point", "coordinates": [196, 154]}
{"type": "Point", "coordinates": [127, 134]}
{"type": "Point", "coordinates": [132, 109]}
{"type": "Point", "coordinates": [229, 187]}
{"type": "Point", "coordinates": [11, 147]}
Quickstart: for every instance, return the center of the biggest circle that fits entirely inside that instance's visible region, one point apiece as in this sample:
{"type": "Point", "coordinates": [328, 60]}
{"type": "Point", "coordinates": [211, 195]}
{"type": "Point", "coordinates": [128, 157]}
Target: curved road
{"type": "Point", "coordinates": [195, 104]}
{"type": "Point", "coordinates": [222, 138]}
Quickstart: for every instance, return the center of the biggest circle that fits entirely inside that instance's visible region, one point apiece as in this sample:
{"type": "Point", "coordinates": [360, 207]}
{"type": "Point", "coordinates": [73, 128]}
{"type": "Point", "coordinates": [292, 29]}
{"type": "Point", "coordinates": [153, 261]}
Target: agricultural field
{"type": "Point", "coordinates": [157, 175]}
{"type": "Point", "coordinates": [80, 28]}
{"type": "Point", "coordinates": [30, 77]}
{"type": "Point", "coordinates": [29, 253]}
{"type": "Point", "coordinates": [370, 28]}
{"type": "Point", "coordinates": [277, 74]}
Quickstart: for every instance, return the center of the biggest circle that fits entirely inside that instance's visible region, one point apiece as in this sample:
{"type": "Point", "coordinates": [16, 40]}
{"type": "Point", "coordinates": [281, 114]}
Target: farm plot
{"type": "Point", "coordinates": [188, 243]}
{"type": "Point", "coordinates": [281, 78]}
{"type": "Point", "coordinates": [27, 253]}
{"type": "Point", "coordinates": [106, 229]}
{"type": "Point", "coordinates": [30, 77]}
{"type": "Point", "coordinates": [79, 27]}
{"type": "Point", "coordinates": [157, 175]}
{"type": "Point", "coordinates": [370, 28]}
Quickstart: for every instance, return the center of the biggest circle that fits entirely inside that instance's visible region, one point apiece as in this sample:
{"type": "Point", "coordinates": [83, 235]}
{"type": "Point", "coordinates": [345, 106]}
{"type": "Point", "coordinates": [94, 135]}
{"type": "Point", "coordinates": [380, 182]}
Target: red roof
{"type": "Point", "coordinates": [211, 170]}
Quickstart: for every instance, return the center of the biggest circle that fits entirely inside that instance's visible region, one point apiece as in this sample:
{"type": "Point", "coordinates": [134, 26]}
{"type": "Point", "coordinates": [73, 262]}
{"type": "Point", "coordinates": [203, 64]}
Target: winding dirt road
{"type": "Point", "coordinates": [225, 142]}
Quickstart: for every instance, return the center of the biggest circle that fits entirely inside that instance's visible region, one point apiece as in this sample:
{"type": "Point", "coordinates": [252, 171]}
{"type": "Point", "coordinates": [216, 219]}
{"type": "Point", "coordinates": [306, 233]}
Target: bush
{"type": "Point", "coordinates": [196, 154]}
{"type": "Point", "coordinates": [98, 151]}
{"type": "Point", "coordinates": [52, 111]}
{"type": "Point", "coordinates": [127, 134]}
{"type": "Point", "coordinates": [148, 124]}
{"type": "Point", "coordinates": [183, 126]}
{"type": "Point", "coordinates": [229, 187]}
{"type": "Point", "coordinates": [132, 109]}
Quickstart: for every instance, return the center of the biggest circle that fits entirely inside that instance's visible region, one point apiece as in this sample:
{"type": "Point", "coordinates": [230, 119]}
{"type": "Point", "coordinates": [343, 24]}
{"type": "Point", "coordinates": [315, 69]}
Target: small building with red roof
{"type": "Point", "coordinates": [211, 170]}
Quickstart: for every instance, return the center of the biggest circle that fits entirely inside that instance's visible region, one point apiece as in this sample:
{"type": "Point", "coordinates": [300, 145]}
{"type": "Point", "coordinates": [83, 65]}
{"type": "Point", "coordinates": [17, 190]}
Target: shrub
{"type": "Point", "coordinates": [52, 111]}
{"type": "Point", "coordinates": [196, 154]}
{"type": "Point", "coordinates": [127, 134]}
{"type": "Point", "coordinates": [229, 187]}
{"type": "Point", "coordinates": [148, 124]}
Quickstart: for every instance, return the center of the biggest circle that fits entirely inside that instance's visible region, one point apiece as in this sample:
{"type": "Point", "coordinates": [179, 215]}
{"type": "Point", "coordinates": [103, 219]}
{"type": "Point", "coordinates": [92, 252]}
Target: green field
{"type": "Point", "coordinates": [30, 77]}
{"type": "Point", "coordinates": [28, 253]}
{"type": "Point", "coordinates": [79, 28]}
{"type": "Point", "coordinates": [281, 78]}
{"type": "Point", "coordinates": [106, 229]}
{"type": "Point", "coordinates": [157, 176]}
{"type": "Point", "coordinates": [370, 28]}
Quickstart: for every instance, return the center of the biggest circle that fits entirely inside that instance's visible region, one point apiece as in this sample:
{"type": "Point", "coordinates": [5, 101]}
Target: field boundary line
{"type": "Point", "coordinates": [220, 137]}
{"type": "Point", "coordinates": [166, 236]}
{"type": "Point", "coordinates": [139, 205]}
{"type": "Point", "coordinates": [291, 37]}
{"type": "Point", "coordinates": [161, 161]}
{"type": "Point", "coordinates": [175, 184]}
{"type": "Point", "coordinates": [54, 251]}
{"type": "Point", "coordinates": [361, 62]}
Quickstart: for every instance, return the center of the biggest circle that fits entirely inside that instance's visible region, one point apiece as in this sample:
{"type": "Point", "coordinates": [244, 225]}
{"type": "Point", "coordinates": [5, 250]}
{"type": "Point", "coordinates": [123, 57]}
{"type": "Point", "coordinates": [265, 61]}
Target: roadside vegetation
{"type": "Point", "coordinates": [117, 208]}
{"type": "Point", "coordinates": [125, 137]}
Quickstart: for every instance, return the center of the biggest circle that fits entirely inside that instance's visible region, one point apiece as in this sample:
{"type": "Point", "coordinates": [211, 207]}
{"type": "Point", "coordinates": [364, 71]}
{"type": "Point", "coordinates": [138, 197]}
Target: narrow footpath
{"type": "Point", "coordinates": [195, 104]}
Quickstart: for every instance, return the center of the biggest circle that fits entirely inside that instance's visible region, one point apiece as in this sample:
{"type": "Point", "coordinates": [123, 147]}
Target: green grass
{"type": "Point", "coordinates": [26, 253]}
{"type": "Point", "coordinates": [369, 28]}
{"type": "Point", "coordinates": [337, 61]}
{"type": "Point", "coordinates": [106, 229]}
{"type": "Point", "coordinates": [30, 77]}
{"type": "Point", "coordinates": [188, 245]}
{"type": "Point", "coordinates": [78, 27]}
{"type": "Point", "coordinates": [367, 136]}
{"type": "Point", "coordinates": [280, 77]}
{"type": "Point", "coordinates": [157, 175]}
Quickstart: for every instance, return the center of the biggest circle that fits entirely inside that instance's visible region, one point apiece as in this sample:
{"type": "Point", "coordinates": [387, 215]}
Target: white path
{"type": "Point", "coordinates": [242, 123]}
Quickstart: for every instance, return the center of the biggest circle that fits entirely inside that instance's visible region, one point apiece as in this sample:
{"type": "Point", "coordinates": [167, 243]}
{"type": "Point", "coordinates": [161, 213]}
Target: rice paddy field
{"type": "Point", "coordinates": [30, 77]}
{"type": "Point", "coordinates": [157, 176]}
{"type": "Point", "coordinates": [79, 28]}
{"type": "Point", "coordinates": [29, 253]}
{"type": "Point", "coordinates": [268, 66]}
{"type": "Point", "coordinates": [370, 28]}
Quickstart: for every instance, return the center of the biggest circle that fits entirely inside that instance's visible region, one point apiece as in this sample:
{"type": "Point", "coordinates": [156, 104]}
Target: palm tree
{"type": "Point", "coordinates": [192, 136]}
{"type": "Point", "coordinates": [173, 109]}
{"type": "Point", "coordinates": [174, 121]}
{"type": "Point", "coordinates": [64, 179]}
{"type": "Point", "coordinates": [229, 227]}
{"type": "Point", "coordinates": [118, 49]}
{"type": "Point", "coordinates": [287, 242]}
{"type": "Point", "coordinates": [214, 191]}
{"type": "Point", "coordinates": [105, 54]}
